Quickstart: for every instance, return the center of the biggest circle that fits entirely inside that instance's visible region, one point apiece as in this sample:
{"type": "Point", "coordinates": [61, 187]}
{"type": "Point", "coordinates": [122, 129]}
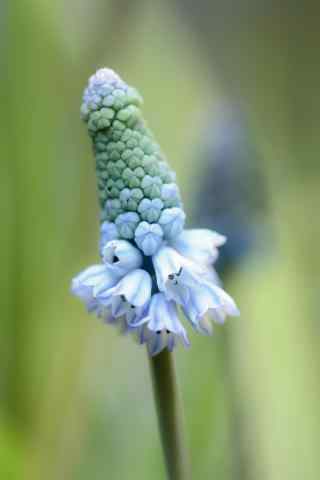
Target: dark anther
{"type": "Point", "coordinates": [123, 298]}
{"type": "Point", "coordinates": [115, 259]}
{"type": "Point", "coordinates": [168, 331]}
{"type": "Point", "coordinates": [158, 332]}
{"type": "Point", "coordinates": [180, 271]}
{"type": "Point", "coordinates": [171, 276]}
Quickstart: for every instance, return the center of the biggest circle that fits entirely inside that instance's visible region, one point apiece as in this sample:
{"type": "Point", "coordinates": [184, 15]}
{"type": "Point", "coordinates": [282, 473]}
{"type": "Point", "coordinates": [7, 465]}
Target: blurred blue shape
{"type": "Point", "coordinates": [231, 192]}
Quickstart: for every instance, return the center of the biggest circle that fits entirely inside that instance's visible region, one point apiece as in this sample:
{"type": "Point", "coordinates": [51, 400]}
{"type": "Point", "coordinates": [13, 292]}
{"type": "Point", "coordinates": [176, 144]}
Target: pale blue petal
{"type": "Point", "coordinates": [107, 281]}
{"type": "Point", "coordinates": [229, 305]}
{"type": "Point", "coordinates": [166, 261]}
{"type": "Point", "coordinates": [89, 277]}
{"type": "Point", "coordinates": [163, 321]}
{"type": "Point", "coordinates": [200, 245]}
{"type": "Point", "coordinates": [135, 287]}
{"type": "Point", "coordinates": [175, 274]}
{"type": "Point", "coordinates": [118, 306]}
{"type": "Point", "coordinates": [121, 256]}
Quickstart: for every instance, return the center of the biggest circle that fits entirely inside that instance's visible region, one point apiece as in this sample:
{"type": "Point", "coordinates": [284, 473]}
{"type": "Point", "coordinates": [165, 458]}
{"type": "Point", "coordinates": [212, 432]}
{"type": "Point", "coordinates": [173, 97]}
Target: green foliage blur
{"type": "Point", "coordinates": [75, 397]}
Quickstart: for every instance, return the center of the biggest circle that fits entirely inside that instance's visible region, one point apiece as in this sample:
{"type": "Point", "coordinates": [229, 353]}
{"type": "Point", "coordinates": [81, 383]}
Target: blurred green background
{"type": "Point", "coordinates": [75, 398]}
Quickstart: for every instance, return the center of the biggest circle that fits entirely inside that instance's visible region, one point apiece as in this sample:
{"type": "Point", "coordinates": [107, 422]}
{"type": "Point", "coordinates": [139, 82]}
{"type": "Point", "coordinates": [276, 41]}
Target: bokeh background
{"type": "Point", "coordinates": [231, 91]}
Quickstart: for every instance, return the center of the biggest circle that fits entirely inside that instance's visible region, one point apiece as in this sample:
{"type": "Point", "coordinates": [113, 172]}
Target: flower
{"type": "Point", "coordinates": [129, 297]}
{"type": "Point", "coordinates": [189, 285]}
{"type": "Point", "coordinates": [117, 287]}
{"type": "Point", "coordinates": [121, 256]}
{"type": "Point", "coordinates": [161, 327]}
{"type": "Point", "coordinates": [86, 282]}
{"type": "Point", "coordinates": [150, 265]}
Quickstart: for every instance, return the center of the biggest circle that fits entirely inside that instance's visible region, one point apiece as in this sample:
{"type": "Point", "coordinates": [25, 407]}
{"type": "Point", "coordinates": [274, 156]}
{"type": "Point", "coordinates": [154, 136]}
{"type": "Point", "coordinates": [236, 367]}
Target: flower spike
{"type": "Point", "coordinates": [150, 265]}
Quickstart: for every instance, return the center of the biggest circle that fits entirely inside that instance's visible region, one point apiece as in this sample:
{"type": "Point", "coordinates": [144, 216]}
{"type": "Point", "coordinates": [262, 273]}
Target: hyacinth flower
{"type": "Point", "coordinates": [150, 266]}
{"type": "Point", "coordinates": [144, 248]}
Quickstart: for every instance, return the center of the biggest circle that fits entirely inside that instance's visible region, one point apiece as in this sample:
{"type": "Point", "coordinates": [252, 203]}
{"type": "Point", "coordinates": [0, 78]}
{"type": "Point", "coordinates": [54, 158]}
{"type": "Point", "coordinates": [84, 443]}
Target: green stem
{"type": "Point", "coordinates": [169, 412]}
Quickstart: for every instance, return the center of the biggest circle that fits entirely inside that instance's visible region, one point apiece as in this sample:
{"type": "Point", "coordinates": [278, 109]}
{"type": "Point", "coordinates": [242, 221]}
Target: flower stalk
{"type": "Point", "coordinates": [170, 415]}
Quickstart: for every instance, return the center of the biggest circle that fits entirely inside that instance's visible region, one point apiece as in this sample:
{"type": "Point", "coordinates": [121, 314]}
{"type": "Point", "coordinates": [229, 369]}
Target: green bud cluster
{"type": "Point", "coordinates": [132, 173]}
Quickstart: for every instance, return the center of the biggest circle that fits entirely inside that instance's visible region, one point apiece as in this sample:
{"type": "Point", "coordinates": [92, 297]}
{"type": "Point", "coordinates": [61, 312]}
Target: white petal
{"type": "Point", "coordinates": [197, 305]}
{"type": "Point", "coordinates": [228, 303]}
{"type": "Point", "coordinates": [118, 307]}
{"type": "Point", "coordinates": [200, 245]}
{"type": "Point", "coordinates": [163, 315]}
{"type": "Point", "coordinates": [166, 261]}
{"type": "Point", "coordinates": [135, 287]}
{"type": "Point", "coordinates": [212, 276]}
{"type": "Point", "coordinates": [89, 277]}
{"type": "Point", "coordinates": [107, 281]}
{"type": "Point", "coordinates": [121, 256]}
{"type": "Point", "coordinates": [139, 316]}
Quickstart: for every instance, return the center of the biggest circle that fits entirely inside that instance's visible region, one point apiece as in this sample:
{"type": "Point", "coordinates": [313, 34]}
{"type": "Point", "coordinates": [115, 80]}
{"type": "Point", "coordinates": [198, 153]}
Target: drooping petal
{"type": "Point", "coordinates": [88, 282]}
{"type": "Point", "coordinates": [121, 256]}
{"type": "Point", "coordinates": [163, 315]}
{"type": "Point", "coordinates": [161, 326]}
{"type": "Point", "coordinates": [170, 267]}
{"type": "Point", "coordinates": [212, 300]}
{"type": "Point", "coordinates": [83, 283]}
{"type": "Point", "coordinates": [87, 277]}
{"type": "Point", "coordinates": [166, 261]}
{"type": "Point", "coordinates": [228, 304]}
{"type": "Point", "coordinates": [135, 287]}
{"type": "Point", "coordinates": [191, 286]}
{"type": "Point", "coordinates": [118, 306]}
{"type": "Point", "coordinates": [108, 280]}
{"type": "Point", "coordinates": [200, 245]}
